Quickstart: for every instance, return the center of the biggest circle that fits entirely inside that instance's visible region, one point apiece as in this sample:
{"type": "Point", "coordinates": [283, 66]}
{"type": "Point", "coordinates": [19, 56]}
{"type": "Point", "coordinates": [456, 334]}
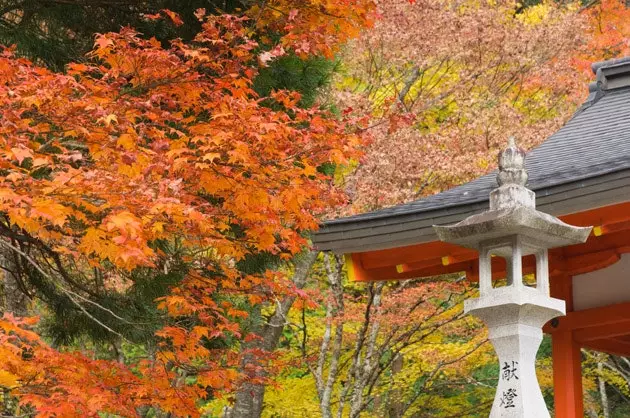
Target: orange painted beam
{"type": "Point", "coordinates": [609, 228]}
{"type": "Point", "coordinates": [594, 317]}
{"type": "Point", "coordinates": [575, 263]}
{"type": "Point", "coordinates": [415, 270]}
{"type": "Point", "coordinates": [600, 332]}
{"type": "Point", "coordinates": [613, 346]}
{"type": "Point", "coordinates": [410, 254]}
{"type": "Point", "coordinates": [403, 271]}
{"type": "Point", "coordinates": [587, 263]}
{"type": "Point", "coordinates": [618, 241]}
{"type": "Point", "coordinates": [356, 272]}
{"type": "Point", "coordinates": [600, 216]}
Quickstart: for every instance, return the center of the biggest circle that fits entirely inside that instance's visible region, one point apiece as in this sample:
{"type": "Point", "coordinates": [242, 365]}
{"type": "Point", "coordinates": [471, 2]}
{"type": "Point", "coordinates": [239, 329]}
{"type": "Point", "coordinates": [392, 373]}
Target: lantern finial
{"type": "Point", "coordinates": [512, 165]}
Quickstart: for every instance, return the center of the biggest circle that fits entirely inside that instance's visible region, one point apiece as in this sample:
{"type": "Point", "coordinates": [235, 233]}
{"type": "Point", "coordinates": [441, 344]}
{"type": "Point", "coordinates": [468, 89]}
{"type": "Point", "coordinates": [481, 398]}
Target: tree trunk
{"type": "Point", "coordinates": [602, 390]}
{"type": "Point", "coordinates": [395, 406]}
{"type": "Point", "coordinates": [249, 402]}
{"type": "Point", "coordinates": [15, 300]}
{"type": "Point", "coordinates": [334, 311]}
{"type": "Point", "coordinates": [249, 399]}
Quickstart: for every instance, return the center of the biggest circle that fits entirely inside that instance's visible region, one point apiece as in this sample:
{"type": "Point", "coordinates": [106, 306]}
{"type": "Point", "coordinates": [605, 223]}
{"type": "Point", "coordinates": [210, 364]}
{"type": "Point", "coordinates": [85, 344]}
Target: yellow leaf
{"type": "Point", "coordinates": [309, 170]}
{"type": "Point", "coordinates": [38, 162]}
{"type": "Point", "coordinates": [109, 119]}
{"type": "Point", "coordinates": [126, 141]}
{"type": "Point", "coordinates": [211, 156]}
{"type": "Point", "coordinates": [47, 209]}
{"type": "Point", "coordinates": [8, 380]}
{"type": "Point", "coordinates": [158, 227]}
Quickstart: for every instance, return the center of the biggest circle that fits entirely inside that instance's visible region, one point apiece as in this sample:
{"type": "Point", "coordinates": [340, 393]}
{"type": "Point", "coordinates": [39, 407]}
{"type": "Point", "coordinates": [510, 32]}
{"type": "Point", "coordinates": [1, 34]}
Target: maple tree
{"type": "Point", "coordinates": [608, 32]}
{"type": "Point", "coordinates": [443, 95]}
{"type": "Point", "coordinates": [395, 336]}
{"type": "Point", "coordinates": [145, 157]}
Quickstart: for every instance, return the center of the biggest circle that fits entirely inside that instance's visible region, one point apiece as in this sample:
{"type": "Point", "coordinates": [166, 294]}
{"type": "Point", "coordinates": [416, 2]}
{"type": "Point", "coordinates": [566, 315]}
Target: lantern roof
{"type": "Point", "coordinates": [584, 165]}
{"type": "Point", "coordinates": [513, 212]}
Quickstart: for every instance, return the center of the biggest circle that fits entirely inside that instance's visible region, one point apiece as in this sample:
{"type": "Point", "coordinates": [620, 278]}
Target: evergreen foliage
{"type": "Point", "coordinates": [293, 73]}
{"type": "Point", "coordinates": [56, 32]}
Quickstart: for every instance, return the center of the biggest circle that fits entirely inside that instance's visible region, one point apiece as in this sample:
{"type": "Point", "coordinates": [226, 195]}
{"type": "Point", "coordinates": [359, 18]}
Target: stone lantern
{"type": "Point", "coordinates": [515, 313]}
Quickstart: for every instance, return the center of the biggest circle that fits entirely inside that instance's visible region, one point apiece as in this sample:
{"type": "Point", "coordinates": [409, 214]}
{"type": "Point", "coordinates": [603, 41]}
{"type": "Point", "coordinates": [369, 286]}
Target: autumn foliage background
{"type": "Point", "coordinates": [157, 195]}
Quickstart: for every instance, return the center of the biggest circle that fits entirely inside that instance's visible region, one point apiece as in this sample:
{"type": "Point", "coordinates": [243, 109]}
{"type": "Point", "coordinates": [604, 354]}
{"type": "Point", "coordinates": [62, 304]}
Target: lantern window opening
{"type": "Point", "coordinates": [513, 249]}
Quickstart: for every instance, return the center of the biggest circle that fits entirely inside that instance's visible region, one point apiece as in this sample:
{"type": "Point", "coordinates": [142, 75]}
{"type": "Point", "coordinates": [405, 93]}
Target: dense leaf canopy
{"type": "Point", "coordinates": [163, 162]}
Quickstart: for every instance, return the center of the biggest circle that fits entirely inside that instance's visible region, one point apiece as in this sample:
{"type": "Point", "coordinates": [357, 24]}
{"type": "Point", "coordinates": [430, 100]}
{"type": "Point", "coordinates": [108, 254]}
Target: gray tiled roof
{"type": "Point", "coordinates": [595, 142]}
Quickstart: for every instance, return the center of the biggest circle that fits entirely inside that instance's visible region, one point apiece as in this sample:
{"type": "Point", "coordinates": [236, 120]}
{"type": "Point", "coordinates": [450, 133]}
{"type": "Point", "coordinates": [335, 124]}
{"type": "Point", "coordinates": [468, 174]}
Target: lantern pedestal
{"type": "Point", "coordinates": [514, 319]}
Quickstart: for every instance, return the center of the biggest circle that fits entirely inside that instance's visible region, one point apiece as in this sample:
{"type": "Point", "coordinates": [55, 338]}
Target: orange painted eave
{"type": "Point", "coordinates": [611, 236]}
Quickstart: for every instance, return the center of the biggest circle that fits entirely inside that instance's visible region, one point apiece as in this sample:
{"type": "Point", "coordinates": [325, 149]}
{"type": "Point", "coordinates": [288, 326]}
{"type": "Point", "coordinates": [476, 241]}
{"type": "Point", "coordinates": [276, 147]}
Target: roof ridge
{"type": "Point", "coordinates": [596, 66]}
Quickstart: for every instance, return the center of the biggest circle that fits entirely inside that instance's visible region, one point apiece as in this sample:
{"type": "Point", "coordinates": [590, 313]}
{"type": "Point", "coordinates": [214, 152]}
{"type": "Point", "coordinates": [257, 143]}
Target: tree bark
{"type": "Point", "coordinates": [602, 390]}
{"type": "Point", "coordinates": [249, 399]}
{"type": "Point", "coordinates": [15, 300]}
{"type": "Point", "coordinates": [334, 310]}
{"type": "Point", "coordinates": [395, 406]}
{"type": "Point", "coordinates": [370, 362]}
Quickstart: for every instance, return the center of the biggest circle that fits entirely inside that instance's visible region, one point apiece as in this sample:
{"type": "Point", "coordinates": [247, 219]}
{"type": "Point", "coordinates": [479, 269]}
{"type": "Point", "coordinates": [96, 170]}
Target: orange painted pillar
{"type": "Point", "coordinates": [567, 359]}
{"type": "Point", "coordinates": [567, 376]}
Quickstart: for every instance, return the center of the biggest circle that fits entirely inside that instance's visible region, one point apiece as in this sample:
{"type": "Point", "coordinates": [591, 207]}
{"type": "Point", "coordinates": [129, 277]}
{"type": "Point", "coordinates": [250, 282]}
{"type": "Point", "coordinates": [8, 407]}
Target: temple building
{"type": "Point", "coordinates": [574, 236]}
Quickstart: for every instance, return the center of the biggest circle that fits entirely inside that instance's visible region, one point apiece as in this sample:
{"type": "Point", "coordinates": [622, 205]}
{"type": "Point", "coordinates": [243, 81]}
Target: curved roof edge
{"type": "Point", "coordinates": [416, 228]}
